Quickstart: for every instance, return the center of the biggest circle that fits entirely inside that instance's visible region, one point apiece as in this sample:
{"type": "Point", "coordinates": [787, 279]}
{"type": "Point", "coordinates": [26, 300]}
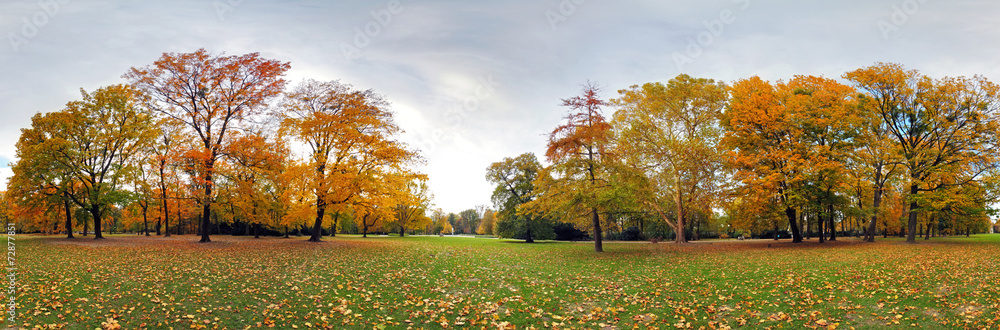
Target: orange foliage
{"type": "Point", "coordinates": [211, 95]}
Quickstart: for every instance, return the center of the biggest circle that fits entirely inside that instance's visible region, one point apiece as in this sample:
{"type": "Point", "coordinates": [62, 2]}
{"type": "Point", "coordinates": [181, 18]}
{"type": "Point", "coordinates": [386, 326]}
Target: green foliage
{"type": "Point", "coordinates": [87, 152]}
{"type": "Point", "coordinates": [668, 140]}
{"type": "Point", "coordinates": [539, 228]}
{"type": "Point", "coordinates": [515, 179]}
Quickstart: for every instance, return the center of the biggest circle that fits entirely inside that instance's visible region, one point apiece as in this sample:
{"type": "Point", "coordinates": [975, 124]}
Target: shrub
{"type": "Point", "coordinates": [568, 232]}
{"type": "Point", "coordinates": [631, 234]}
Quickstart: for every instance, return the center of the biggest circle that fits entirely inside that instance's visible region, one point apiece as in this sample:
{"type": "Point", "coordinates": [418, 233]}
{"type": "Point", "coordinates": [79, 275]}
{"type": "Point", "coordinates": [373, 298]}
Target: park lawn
{"type": "Point", "coordinates": [465, 282]}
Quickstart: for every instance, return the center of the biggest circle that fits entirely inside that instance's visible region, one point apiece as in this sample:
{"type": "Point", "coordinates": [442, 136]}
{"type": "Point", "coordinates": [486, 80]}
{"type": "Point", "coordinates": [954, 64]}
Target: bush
{"type": "Point", "coordinates": [517, 228]}
{"type": "Point", "coordinates": [568, 232]}
{"type": "Point", "coordinates": [631, 234]}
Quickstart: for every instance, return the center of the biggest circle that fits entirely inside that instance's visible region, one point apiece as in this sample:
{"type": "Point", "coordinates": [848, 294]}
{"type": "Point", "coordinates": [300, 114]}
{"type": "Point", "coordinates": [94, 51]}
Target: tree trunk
{"type": "Point", "coordinates": [529, 239]}
{"type": "Point", "coordinates": [157, 226]}
{"type": "Point", "coordinates": [870, 236]}
{"type": "Point", "coordinates": [833, 226]}
{"type": "Point", "coordinates": [912, 224]}
{"type": "Point", "coordinates": [206, 213]}
{"type": "Point", "coordinates": [256, 230]}
{"type": "Point", "coordinates": [680, 212]}
{"type": "Point", "coordinates": [86, 226]}
{"type": "Point", "coordinates": [598, 246]}
{"type": "Point", "coordinates": [166, 221]}
{"type": "Point", "coordinates": [927, 235]}
{"type": "Point", "coordinates": [402, 230]}
{"type": "Point", "coordinates": [286, 231]}
{"type": "Point", "coordinates": [95, 212]}
{"type": "Point", "coordinates": [163, 198]}
{"type": "Point", "coordinates": [145, 220]}
{"type": "Point", "coordinates": [796, 236]}
{"type": "Point", "coordinates": [805, 225]}
{"type": "Point", "coordinates": [695, 229]}
{"type": "Point", "coordinates": [69, 219]}
{"type": "Point", "coordinates": [819, 224]}
{"type": "Point", "coordinates": [333, 227]}
{"type": "Point", "coordinates": [317, 233]}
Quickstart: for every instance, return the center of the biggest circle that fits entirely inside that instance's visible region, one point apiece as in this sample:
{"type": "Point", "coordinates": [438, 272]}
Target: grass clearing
{"type": "Point", "coordinates": [434, 282]}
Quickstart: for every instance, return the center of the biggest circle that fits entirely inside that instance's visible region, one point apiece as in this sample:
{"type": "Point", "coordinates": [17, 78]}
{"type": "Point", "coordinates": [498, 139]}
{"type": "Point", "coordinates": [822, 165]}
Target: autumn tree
{"type": "Point", "coordinates": [486, 225]}
{"type": "Point", "coordinates": [439, 222]}
{"type": "Point", "coordinates": [212, 95]}
{"type": "Point", "coordinates": [579, 151]}
{"type": "Point", "coordinates": [96, 141]}
{"type": "Point", "coordinates": [668, 134]}
{"type": "Point", "coordinates": [143, 192]}
{"type": "Point", "coordinates": [350, 134]}
{"type": "Point", "coordinates": [826, 120]}
{"type": "Point", "coordinates": [250, 176]}
{"type": "Point", "coordinates": [5, 207]}
{"type": "Point", "coordinates": [40, 183]}
{"type": "Point", "coordinates": [937, 126]}
{"type": "Point", "coordinates": [165, 154]}
{"type": "Point", "coordinates": [470, 220]}
{"type": "Point", "coordinates": [763, 150]}
{"type": "Point", "coordinates": [410, 211]}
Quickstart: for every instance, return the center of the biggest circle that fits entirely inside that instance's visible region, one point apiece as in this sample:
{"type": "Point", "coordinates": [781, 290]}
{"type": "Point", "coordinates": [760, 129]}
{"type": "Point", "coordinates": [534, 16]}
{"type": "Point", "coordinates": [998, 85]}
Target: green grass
{"type": "Point", "coordinates": [464, 282]}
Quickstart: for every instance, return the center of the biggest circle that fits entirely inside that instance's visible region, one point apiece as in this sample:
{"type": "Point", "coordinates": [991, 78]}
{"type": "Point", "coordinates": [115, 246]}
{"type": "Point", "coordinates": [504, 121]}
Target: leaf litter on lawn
{"type": "Point", "coordinates": [430, 282]}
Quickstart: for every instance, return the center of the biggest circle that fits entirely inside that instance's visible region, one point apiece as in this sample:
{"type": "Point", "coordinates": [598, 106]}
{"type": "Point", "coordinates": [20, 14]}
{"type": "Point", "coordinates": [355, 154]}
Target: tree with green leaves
{"type": "Point", "coordinates": [38, 181]}
{"type": "Point", "coordinates": [943, 129]}
{"type": "Point", "coordinates": [668, 135]}
{"type": "Point", "coordinates": [96, 142]}
{"type": "Point", "coordinates": [470, 221]}
{"type": "Point", "coordinates": [514, 179]}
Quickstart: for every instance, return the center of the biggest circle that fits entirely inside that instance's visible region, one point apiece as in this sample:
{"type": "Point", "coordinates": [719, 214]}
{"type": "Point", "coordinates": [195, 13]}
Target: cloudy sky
{"type": "Point", "coordinates": [473, 82]}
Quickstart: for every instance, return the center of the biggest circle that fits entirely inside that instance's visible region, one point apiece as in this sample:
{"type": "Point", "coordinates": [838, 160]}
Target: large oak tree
{"type": "Point", "coordinates": [212, 95]}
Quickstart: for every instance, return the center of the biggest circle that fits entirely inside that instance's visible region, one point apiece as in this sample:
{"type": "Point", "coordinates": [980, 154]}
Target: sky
{"type": "Point", "coordinates": [473, 82]}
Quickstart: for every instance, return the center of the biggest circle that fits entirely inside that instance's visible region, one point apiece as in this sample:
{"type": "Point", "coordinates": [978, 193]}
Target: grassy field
{"type": "Point", "coordinates": [431, 282]}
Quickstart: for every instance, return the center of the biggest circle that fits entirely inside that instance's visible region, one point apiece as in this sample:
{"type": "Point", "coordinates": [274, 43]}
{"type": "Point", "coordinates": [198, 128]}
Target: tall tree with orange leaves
{"type": "Point", "coordinates": [580, 150]}
{"type": "Point", "coordinates": [212, 95]}
{"type": "Point", "coordinates": [165, 154]}
{"type": "Point", "coordinates": [825, 117]}
{"type": "Point", "coordinates": [350, 134]}
{"type": "Point", "coordinates": [764, 150]}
